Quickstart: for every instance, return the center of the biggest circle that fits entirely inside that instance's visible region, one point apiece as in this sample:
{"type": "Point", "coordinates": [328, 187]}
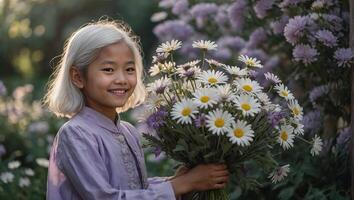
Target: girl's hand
{"type": "Point", "coordinates": [201, 177]}
{"type": "Point", "coordinates": [180, 171]}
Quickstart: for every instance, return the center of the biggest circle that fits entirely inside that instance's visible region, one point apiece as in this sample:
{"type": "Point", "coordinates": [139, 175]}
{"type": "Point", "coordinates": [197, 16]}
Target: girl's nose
{"type": "Point", "coordinates": [120, 78]}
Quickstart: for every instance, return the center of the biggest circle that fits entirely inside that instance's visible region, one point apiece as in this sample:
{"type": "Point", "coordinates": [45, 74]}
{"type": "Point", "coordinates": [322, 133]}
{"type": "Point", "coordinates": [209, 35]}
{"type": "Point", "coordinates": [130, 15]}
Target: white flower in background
{"type": "Point", "coordinates": [284, 92]}
{"type": "Point", "coordinates": [248, 86]}
{"type": "Point", "coordinates": [159, 86]}
{"type": "Point", "coordinates": [219, 122]}
{"type": "Point", "coordinates": [188, 71]}
{"type": "Point", "coordinates": [295, 108]}
{"type": "Point", "coordinates": [43, 162]}
{"type": "Point", "coordinates": [155, 69]}
{"type": "Point", "coordinates": [160, 57]}
{"type": "Point", "coordinates": [236, 71]}
{"type": "Point", "coordinates": [205, 97]}
{"type": "Point", "coordinates": [189, 64]}
{"type": "Point", "coordinates": [184, 111]}
{"type": "Point", "coordinates": [272, 77]}
{"type": "Point", "coordinates": [206, 45]}
{"type": "Point", "coordinates": [241, 133]}
{"type": "Point", "coordinates": [13, 164]}
{"type": "Point", "coordinates": [159, 16]}
{"type": "Point", "coordinates": [169, 46]}
{"type": "Point", "coordinates": [155, 101]}
{"type": "Point", "coordinates": [250, 62]}
{"type": "Point", "coordinates": [279, 174]}
{"type": "Point", "coordinates": [213, 62]}
{"type": "Point", "coordinates": [7, 177]}
{"type": "Point", "coordinates": [168, 66]}
{"type": "Point", "coordinates": [212, 77]}
{"type": "Point", "coordinates": [299, 130]}
{"type": "Point", "coordinates": [286, 136]}
{"type": "Point", "coordinates": [247, 104]}
{"type": "Point", "coordinates": [225, 93]}
{"type": "Point", "coordinates": [24, 182]}
{"type": "Point", "coordinates": [263, 98]}
{"type": "Point", "coordinates": [316, 145]}
{"type": "Point", "coordinates": [29, 172]}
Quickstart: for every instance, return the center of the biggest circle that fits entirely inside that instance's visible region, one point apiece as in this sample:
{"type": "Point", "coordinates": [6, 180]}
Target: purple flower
{"type": "Point", "coordinates": [221, 17]}
{"type": "Point", "coordinates": [2, 89]}
{"type": "Point", "coordinates": [318, 92]}
{"type": "Point", "coordinates": [344, 137]}
{"type": "Point", "coordinates": [200, 120]}
{"type": "Point", "coordinates": [305, 53]}
{"type": "Point", "coordinates": [257, 37]}
{"type": "Point", "coordinates": [157, 119]}
{"type": "Point", "coordinates": [334, 22]}
{"type": "Point", "coordinates": [180, 7]}
{"type": "Point", "coordinates": [203, 10]}
{"type": "Point", "coordinates": [166, 3]}
{"type": "Point", "coordinates": [234, 43]}
{"type": "Point", "coordinates": [275, 117]}
{"type": "Point", "coordinates": [278, 26]}
{"type": "Point", "coordinates": [222, 54]}
{"type": "Point", "coordinates": [236, 14]}
{"type": "Point", "coordinates": [262, 6]}
{"type": "Point", "coordinates": [344, 57]}
{"type": "Point", "coordinates": [327, 38]}
{"type": "Point", "coordinates": [312, 121]}
{"type": "Point", "coordinates": [173, 29]}
{"type": "Point", "coordinates": [2, 150]}
{"type": "Point", "coordinates": [295, 28]}
{"type": "Point", "coordinates": [288, 3]}
{"type": "Point", "coordinates": [157, 151]}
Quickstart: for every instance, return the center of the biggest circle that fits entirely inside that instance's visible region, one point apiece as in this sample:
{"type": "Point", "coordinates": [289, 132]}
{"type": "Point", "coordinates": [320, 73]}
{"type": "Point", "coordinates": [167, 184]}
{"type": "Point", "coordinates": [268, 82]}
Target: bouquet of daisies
{"type": "Point", "coordinates": [204, 111]}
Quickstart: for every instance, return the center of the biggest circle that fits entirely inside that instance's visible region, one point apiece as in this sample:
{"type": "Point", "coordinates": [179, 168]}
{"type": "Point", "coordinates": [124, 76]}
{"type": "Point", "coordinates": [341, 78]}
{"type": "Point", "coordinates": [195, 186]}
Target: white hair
{"type": "Point", "coordinates": [81, 49]}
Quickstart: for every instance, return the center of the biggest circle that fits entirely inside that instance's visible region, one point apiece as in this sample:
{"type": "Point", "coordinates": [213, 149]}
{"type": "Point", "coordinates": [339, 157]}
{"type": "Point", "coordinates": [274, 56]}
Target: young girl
{"type": "Point", "coordinates": [96, 155]}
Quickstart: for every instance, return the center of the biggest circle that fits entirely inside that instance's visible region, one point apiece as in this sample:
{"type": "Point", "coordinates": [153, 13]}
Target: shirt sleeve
{"type": "Point", "coordinates": [80, 160]}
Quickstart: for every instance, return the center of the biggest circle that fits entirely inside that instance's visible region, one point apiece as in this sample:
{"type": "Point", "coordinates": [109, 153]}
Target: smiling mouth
{"type": "Point", "coordinates": [118, 92]}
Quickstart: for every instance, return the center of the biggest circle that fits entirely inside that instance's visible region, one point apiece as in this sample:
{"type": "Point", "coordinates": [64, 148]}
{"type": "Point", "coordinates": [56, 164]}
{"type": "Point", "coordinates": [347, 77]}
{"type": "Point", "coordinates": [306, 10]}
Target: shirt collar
{"type": "Point", "coordinates": [98, 118]}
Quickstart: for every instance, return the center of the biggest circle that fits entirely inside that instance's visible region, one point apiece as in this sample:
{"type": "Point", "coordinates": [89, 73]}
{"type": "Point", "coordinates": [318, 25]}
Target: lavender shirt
{"type": "Point", "coordinates": [93, 158]}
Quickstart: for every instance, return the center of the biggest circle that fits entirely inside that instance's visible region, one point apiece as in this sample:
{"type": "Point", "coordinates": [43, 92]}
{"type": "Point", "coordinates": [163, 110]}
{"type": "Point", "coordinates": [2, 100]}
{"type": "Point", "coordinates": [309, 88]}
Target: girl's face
{"type": "Point", "coordinates": [110, 79]}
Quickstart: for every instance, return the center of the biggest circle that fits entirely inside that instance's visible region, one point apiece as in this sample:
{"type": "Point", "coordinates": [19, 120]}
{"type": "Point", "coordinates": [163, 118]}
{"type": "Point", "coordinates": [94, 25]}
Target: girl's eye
{"type": "Point", "coordinates": [131, 69]}
{"type": "Point", "coordinates": [108, 69]}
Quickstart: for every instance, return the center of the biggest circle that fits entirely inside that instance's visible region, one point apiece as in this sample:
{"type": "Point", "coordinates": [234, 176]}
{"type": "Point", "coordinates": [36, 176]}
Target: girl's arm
{"type": "Point", "coordinates": [79, 159]}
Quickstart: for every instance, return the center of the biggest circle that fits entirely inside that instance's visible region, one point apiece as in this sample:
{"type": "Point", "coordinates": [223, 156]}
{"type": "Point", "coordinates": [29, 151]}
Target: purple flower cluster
{"type": "Point", "coordinates": [157, 119]}
{"type": "Point", "coordinates": [173, 29]}
{"type": "Point", "coordinates": [236, 14]}
{"type": "Point", "coordinates": [262, 6]}
{"type": "Point", "coordinates": [312, 121]}
{"type": "Point", "coordinates": [344, 137]}
{"type": "Point", "coordinates": [296, 28]}
{"type": "Point", "coordinates": [279, 25]}
{"type": "Point", "coordinates": [275, 117]}
{"type": "Point", "coordinates": [200, 120]}
{"type": "Point", "coordinates": [327, 38]}
{"type": "Point", "coordinates": [318, 92]}
{"type": "Point", "coordinates": [180, 7]}
{"type": "Point", "coordinates": [305, 53]}
{"type": "Point", "coordinates": [257, 37]}
{"type": "Point", "coordinates": [344, 57]}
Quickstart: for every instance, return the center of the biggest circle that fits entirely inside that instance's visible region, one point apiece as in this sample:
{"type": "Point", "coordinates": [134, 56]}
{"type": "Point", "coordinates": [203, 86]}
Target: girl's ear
{"type": "Point", "coordinates": [76, 77]}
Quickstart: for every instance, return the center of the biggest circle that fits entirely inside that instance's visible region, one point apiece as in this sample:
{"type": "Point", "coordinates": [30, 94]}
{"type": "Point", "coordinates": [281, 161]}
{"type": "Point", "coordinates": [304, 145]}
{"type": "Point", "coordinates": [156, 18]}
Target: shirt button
{"type": "Point", "coordinates": [120, 138]}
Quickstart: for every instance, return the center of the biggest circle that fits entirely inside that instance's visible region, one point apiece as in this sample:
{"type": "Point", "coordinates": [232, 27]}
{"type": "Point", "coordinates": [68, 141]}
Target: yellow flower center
{"type": "Point", "coordinates": [284, 93]}
{"type": "Point", "coordinates": [296, 111]}
{"type": "Point", "coordinates": [284, 135]}
{"type": "Point", "coordinates": [249, 62]}
{"type": "Point", "coordinates": [246, 106]}
{"type": "Point", "coordinates": [212, 80]}
{"type": "Point", "coordinates": [219, 122]}
{"type": "Point", "coordinates": [238, 132]}
{"type": "Point", "coordinates": [204, 99]}
{"type": "Point", "coordinates": [248, 88]}
{"type": "Point", "coordinates": [186, 112]}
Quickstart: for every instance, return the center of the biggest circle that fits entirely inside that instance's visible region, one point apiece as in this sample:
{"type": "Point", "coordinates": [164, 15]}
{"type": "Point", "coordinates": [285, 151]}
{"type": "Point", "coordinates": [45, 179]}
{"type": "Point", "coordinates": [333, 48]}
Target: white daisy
{"type": "Point", "coordinates": [188, 72]}
{"type": "Point", "coordinates": [249, 61]}
{"type": "Point", "coordinates": [295, 108]}
{"type": "Point", "coordinates": [204, 45]}
{"type": "Point", "coordinates": [248, 86]}
{"type": "Point", "coordinates": [205, 97]}
{"type": "Point", "coordinates": [263, 98]}
{"type": "Point", "coordinates": [225, 93]}
{"type": "Point", "coordinates": [241, 133]}
{"type": "Point", "coordinates": [24, 182]}
{"type": "Point", "coordinates": [219, 122]}
{"type": "Point", "coordinates": [272, 77]}
{"type": "Point", "coordinates": [169, 46]}
{"type": "Point", "coordinates": [155, 69]}
{"type": "Point", "coordinates": [168, 66]}
{"type": "Point", "coordinates": [284, 92]}
{"type": "Point", "coordinates": [212, 77]}
{"type": "Point", "coordinates": [279, 173]}
{"type": "Point", "coordinates": [188, 65]}
{"type": "Point", "coordinates": [13, 164]}
{"type": "Point", "coordinates": [155, 101]}
{"type": "Point", "coordinates": [159, 86]}
{"type": "Point", "coordinates": [184, 111]}
{"type": "Point", "coordinates": [7, 177]}
{"type": "Point", "coordinates": [236, 71]}
{"type": "Point", "coordinates": [215, 63]}
{"type": "Point", "coordinates": [316, 145]}
{"type": "Point", "coordinates": [299, 130]}
{"type": "Point", "coordinates": [286, 136]}
{"type": "Point", "coordinates": [247, 104]}
{"type": "Point", "coordinates": [160, 57]}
